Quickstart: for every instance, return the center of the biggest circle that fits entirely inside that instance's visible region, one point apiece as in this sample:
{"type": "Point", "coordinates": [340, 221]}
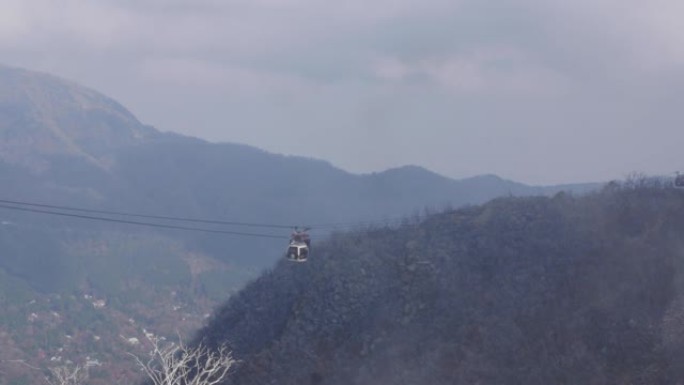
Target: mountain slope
{"type": "Point", "coordinates": [517, 291]}
{"type": "Point", "coordinates": [41, 115]}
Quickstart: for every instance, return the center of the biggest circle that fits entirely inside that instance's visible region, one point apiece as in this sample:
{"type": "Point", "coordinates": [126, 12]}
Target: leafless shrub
{"type": "Point", "coordinates": [179, 364]}
{"type": "Point", "coordinates": [67, 375]}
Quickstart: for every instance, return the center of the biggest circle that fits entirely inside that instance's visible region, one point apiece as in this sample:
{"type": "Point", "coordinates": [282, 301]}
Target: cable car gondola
{"type": "Point", "coordinates": [300, 245]}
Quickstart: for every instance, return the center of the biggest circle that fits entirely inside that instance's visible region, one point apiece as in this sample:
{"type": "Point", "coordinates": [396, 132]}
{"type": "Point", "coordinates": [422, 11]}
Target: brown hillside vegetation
{"type": "Point", "coordinates": [560, 290]}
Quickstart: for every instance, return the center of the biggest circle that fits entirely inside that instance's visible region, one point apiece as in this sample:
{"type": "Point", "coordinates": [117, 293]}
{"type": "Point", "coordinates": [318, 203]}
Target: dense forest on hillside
{"type": "Point", "coordinates": [521, 290]}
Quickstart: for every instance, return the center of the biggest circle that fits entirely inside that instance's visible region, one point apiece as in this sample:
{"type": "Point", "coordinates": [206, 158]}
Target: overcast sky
{"type": "Point", "coordinates": [539, 91]}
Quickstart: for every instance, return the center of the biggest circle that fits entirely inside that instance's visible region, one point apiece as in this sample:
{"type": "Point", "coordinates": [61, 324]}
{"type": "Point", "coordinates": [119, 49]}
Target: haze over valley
{"type": "Point", "coordinates": [292, 192]}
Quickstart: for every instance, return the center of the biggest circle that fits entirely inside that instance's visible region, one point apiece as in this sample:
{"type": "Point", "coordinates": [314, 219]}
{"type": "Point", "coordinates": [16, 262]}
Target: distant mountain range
{"type": "Point", "coordinates": [62, 144]}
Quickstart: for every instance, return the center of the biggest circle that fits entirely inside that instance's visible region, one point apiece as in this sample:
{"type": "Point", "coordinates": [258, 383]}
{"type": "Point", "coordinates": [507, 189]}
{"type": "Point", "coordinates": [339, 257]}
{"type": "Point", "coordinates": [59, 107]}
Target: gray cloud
{"type": "Point", "coordinates": [539, 91]}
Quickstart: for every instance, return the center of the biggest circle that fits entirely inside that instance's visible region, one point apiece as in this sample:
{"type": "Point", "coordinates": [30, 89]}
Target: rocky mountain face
{"type": "Point", "coordinates": [560, 290]}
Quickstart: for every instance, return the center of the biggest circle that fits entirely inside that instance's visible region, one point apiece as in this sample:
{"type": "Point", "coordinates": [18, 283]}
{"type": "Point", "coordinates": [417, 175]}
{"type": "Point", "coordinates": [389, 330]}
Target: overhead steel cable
{"type": "Point", "coordinates": [162, 217]}
{"type": "Point", "coordinates": [138, 223]}
{"type": "Point", "coordinates": [324, 227]}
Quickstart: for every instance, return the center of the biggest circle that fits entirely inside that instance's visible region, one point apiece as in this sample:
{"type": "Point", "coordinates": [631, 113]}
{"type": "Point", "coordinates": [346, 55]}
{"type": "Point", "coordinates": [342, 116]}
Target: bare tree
{"type": "Point", "coordinates": [179, 364]}
{"type": "Point", "coordinates": [67, 375]}
{"type": "Point", "coordinates": [60, 375]}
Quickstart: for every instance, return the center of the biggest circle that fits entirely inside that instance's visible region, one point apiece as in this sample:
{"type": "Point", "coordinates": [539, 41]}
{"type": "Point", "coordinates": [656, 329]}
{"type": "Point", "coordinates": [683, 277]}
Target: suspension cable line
{"type": "Point", "coordinates": [163, 217]}
{"type": "Point", "coordinates": [49, 209]}
{"type": "Point", "coordinates": [148, 224]}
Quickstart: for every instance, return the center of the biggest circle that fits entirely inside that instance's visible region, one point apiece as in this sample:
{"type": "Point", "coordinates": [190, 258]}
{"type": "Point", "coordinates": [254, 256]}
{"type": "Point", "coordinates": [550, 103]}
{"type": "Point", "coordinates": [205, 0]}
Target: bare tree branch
{"type": "Point", "coordinates": [65, 375]}
{"type": "Point", "coordinates": [179, 364]}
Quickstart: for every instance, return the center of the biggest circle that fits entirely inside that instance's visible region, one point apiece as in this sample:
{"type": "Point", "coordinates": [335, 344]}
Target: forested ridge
{"type": "Point", "coordinates": [521, 290]}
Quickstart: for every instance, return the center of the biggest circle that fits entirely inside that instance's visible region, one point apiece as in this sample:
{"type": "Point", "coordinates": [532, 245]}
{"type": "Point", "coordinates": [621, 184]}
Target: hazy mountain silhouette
{"type": "Point", "coordinates": [517, 291]}
{"type": "Point", "coordinates": [61, 143]}
{"type": "Point", "coordinates": [41, 116]}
